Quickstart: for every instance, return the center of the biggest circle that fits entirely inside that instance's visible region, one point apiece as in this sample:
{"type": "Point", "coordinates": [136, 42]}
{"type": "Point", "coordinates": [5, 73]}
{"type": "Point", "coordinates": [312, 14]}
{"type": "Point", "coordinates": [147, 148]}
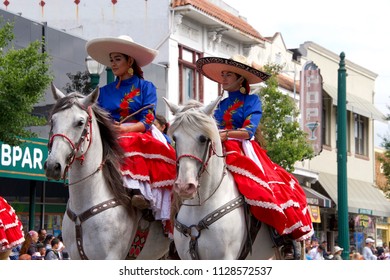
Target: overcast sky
{"type": "Point", "coordinates": [358, 28]}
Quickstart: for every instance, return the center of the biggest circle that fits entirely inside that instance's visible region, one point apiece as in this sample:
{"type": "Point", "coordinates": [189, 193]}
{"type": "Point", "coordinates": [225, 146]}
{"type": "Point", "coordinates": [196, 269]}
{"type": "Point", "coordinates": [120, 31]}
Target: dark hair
{"type": "Point", "coordinates": [48, 238]}
{"type": "Point", "coordinates": [55, 241]}
{"type": "Point", "coordinates": [137, 70]}
{"type": "Point", "coordinates": [162, 121]}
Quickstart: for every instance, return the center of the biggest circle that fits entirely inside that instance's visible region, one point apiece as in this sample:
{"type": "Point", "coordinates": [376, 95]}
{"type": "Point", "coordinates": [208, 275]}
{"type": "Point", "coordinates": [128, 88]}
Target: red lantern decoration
{"type": "Point", "coordinates": [6, 3]}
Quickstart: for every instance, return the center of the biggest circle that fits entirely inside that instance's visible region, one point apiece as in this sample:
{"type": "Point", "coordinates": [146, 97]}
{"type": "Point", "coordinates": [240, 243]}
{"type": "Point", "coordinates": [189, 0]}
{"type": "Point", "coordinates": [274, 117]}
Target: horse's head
{"type": "Point", "coordinates": [196, 139]}
{"type": "Point", "coordinates": [70, 134]}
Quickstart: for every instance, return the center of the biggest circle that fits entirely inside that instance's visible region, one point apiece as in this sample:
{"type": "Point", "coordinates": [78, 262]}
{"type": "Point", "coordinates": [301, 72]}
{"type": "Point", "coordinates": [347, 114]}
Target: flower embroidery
{"type": "Point", "coordinates": [247, 123]}
{"type": "Point", "coordinates": [228, 114]}
{"type": "Point", "coordinates": [149, 118]}
{"type": "Point", "coordinates": [127, 99]}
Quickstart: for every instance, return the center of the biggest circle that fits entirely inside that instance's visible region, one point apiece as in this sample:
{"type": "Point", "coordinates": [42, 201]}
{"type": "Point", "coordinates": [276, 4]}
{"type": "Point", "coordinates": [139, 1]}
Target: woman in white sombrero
{"type": "Point", "coordinates": [275, 196]}
{"type": "Point", "coordinates": [149, 162]}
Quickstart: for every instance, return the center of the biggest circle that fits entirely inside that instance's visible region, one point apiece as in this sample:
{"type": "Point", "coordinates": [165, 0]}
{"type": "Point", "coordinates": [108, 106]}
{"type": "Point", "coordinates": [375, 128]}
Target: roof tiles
{"type": "Point", "coordinates": [220, 14]}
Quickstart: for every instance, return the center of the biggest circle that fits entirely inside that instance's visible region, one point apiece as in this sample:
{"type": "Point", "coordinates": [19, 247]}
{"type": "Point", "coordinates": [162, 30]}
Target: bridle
{"type": "Point", "coordinates": [208, 153]}
{"type": "Point", "coordinates": [77, 146]}
{"type": "Point", "coordinates": [194, 231]}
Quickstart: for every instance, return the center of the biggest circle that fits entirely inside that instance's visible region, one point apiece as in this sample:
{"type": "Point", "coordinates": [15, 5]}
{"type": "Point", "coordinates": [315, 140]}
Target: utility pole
{"type": "Point", "coordinates": [342, 182]}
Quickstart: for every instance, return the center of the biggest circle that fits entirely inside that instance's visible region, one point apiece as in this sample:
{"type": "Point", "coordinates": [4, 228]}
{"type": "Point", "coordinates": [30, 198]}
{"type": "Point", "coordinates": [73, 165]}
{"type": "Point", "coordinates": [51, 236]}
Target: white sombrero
{"type": "Point", "coordinates": [100, 49]}
{"type": "Point", "coordinates": [212, 68]}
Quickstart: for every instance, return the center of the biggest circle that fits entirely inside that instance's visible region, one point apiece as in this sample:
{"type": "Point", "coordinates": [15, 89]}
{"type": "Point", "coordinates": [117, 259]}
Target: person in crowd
{"type": "Point", "coordinates": [380, 253]}
{"type": "Point", "coordinates": [326, 254]}
{"type": "Point", "coordinates": [53, 254]}
{"type": "Point", "coordinates": [131, 101]}
{"type": "Point", "coordinates": [11, 230]}
{"type": "Point", "coordinates": [337, 253]}
{"type": "Point", "coordinates": [41, 251]}
{"type": "Point", "coordinates": [29, 245]}
{"type": "Point", "coordinates": [317, 253]}
{"type": "Point", "coordinates": [41, 235]}
{"type": "Point", "coordinates": [367, 250]}
{"type": "Point", "coordinates": [275, 196]}
{"type": "Point", "coordinates": [162, 124]}
{"type": "Point", "coordinates": [307, 255]}
{"type": "Point", "coordinates": [47, 241]}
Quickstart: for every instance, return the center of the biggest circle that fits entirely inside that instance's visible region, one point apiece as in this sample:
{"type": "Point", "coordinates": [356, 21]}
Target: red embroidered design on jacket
{"type": "Point", "coordinates": [127, 99]}
{"type": "Point", "coordinates": [228, 114]}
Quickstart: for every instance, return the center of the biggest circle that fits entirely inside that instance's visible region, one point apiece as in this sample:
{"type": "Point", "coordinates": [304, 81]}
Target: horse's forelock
{"type": "Point", "coordinates": [67, 102]}
{"type": "Point", "coordinates": [192, 119]}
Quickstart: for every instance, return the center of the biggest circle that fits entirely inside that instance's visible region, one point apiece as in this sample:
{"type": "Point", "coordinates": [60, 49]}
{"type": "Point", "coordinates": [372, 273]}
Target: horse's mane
{"type": "Point", "coordinates": [192, 118]}
{"type": "Point", "coordinates": [112, 152]}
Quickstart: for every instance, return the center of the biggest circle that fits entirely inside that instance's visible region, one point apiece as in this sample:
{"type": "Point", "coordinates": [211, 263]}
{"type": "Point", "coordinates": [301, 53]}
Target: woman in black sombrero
{"type": "Point", "coordinates": [275, 196]}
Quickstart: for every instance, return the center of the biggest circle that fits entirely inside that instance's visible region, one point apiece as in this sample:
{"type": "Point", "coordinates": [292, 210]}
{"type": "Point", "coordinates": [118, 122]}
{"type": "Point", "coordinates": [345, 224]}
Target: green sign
{"type": "Point", "coordinates": [24, 161]}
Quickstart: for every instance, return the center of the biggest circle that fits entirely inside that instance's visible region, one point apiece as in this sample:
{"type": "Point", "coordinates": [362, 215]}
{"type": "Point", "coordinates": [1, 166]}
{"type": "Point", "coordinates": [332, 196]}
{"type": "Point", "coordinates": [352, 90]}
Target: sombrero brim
{"type": "Point", "coordinates": [212, 67]}
{"type": "Point", "coordinates": [99, 49]}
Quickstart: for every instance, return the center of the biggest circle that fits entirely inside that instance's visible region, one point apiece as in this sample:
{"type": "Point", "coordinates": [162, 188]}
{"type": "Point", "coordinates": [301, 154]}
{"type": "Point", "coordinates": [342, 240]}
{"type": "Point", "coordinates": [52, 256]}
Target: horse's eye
{"type": "Point", "coordinates": [80, 123]}
{"type": "Point", "coordinates": [202, 139]}
{"type": "Point", "coordinates": [174, 138]}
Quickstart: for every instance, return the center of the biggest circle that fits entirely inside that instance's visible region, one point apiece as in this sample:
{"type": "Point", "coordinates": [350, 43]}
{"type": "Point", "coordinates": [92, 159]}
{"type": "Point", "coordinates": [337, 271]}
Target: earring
{"type": "Point", "coordinates": [242, 90]}
{"type": "Point", "coordinates": [130, 71]}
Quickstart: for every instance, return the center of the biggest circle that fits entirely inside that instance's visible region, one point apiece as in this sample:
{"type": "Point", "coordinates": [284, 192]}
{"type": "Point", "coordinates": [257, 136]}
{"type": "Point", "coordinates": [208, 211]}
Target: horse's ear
{"type": "Point", "coordinates": [172, 107]}
{"type": "Point", "coordinates": [92, 97]}
{"type": "Point", "coordinates": [209, 109]}
{"type": "Point", "coordinates": [57, 94]}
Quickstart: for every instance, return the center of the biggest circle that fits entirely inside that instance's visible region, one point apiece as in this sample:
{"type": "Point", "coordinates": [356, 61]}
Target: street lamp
{"type": "Point", "coordinates": [95, 69]}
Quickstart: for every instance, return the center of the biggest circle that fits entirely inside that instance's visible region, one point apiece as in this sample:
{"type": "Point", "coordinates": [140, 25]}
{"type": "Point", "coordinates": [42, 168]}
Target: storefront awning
{"type": "Point", "coordinates": [356, 104]}
{"type": "Point", "coordinates": [363, 197]}
{"type": "Point", "coordinates": [315, 198]}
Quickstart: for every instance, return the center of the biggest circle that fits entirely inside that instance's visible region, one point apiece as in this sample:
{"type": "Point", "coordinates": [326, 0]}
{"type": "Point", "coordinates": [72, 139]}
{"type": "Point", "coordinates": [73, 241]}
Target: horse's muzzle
{"type": "Point", "coordinates": [185, 191]}
{"type": "Point", "coordinates": [52, 170]}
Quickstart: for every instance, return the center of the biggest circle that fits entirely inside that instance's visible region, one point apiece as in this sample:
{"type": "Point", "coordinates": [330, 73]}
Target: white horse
{"type": "Point", "coordinates": [99, 222]}
{"type": "Point", "coordinates": [211, 222]}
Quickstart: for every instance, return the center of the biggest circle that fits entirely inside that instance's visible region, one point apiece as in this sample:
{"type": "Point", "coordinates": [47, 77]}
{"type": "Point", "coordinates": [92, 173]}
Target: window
{"type": "Point", "coordinates": [190, 84]}
{"type": "Point", "coordinates": [361, 134]}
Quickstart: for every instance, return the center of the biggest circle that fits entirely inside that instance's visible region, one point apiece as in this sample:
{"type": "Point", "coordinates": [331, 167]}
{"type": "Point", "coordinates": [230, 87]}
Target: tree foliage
{"type": "Point", "coordinates": [285, 142]}
{"type": "Point", "coordinates": [79, 82]}
{"type": "Point", "coordinates": [385, 159]}
{"type": "Point", "coordinates": [24, 77]}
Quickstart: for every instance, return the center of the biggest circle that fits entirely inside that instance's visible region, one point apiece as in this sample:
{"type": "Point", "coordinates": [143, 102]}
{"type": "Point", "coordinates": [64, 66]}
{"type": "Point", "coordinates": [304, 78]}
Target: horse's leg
{"type": "Point", "coordinates": [157, 243]}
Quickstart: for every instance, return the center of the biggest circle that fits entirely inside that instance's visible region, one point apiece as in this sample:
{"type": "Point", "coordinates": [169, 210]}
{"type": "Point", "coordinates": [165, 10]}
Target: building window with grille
{"type": "Point", "coordinates": [361, 134]}
{"type": "Point", "coordinates": [190, 84]}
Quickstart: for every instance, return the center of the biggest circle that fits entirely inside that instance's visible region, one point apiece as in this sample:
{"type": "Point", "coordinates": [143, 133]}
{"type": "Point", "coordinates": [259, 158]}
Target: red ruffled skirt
{"type": "Point", "coordinates": [11, 229]}
{"type": "Point", "coordinates": [274, 195]}
{"type": "Point", "coordinates": [149, 160]}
